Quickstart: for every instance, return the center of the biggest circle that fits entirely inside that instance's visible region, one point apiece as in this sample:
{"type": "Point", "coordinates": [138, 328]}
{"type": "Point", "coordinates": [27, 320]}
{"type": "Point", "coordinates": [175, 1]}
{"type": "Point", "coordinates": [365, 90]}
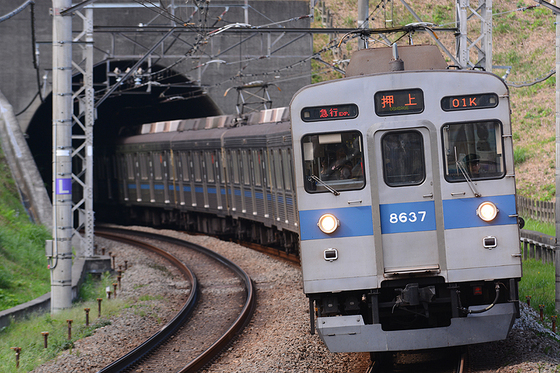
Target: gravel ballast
{"type": "Point", "coordinates": [277, 339]}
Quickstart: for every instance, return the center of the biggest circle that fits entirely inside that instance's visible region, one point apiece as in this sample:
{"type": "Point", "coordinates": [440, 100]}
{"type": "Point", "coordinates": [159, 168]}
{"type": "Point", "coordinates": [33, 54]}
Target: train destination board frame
{"type": "Point", "coordinates": [401, 102]}
{"type": "Point", "coordinates": [329, 112]}
{"type": "Point", "coordinates": [469, 102]}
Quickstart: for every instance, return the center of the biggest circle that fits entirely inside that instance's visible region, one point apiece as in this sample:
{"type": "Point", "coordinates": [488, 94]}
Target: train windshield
{"type": "Point", "coordinates": [473, 151]}
{"type": "Point", "coordinates": [333, 162]}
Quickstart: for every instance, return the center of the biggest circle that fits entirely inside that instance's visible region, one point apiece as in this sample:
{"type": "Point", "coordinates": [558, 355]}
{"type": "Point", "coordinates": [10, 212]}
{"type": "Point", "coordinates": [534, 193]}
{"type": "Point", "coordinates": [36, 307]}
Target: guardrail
{"type": "Point", "coordinates": [536, 245]}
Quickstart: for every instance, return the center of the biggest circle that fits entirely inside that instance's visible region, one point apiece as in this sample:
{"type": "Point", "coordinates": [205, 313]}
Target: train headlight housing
{"type": "Point", "coordinates": [487, 211]}
{"type": "Point", "coordinates": [328, 223]}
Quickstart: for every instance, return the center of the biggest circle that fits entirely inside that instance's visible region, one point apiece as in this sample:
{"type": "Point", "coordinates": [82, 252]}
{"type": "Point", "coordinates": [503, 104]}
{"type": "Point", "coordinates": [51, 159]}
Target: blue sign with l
{"type": "Point", "coordinates": [63, 186]}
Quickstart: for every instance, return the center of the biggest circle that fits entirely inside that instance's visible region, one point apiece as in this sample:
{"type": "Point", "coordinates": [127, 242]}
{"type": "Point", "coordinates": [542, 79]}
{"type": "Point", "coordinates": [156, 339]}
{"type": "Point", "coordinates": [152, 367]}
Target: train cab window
{"type": "Point", "coordinates": [403, 158]}
{"type": "Point", "coordinates": [473, 151]}
{"type": "Point", "coordinates": [333, 162]}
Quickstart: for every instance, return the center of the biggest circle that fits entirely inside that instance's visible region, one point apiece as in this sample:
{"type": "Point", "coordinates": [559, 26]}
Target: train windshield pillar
{"type": "Point", "coordinates": [333, 160]}
{"type": "Point", "coordinates": [473, 150]}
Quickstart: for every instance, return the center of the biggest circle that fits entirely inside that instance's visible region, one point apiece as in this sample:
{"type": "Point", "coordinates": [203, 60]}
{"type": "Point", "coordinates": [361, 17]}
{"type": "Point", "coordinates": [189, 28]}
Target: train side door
{"type": "Point", "coordinates": [409, 236]}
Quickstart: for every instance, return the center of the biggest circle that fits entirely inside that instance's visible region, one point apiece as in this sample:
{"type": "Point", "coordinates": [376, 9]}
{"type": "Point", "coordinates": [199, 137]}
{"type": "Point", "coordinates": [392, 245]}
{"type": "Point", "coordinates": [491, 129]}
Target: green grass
{"type": "Point", "coordinates": [538, 278]}
{"type": "Point", "coordinates": [23, 266]}
{"type": "Point", "coordinates": [521, 154]}
{"type": "Point", "coordinates": [538, 226]}
{"type": "Point", "coordinates": [538, 282]}
{"type": "Point", "coordinates": [27, 333]}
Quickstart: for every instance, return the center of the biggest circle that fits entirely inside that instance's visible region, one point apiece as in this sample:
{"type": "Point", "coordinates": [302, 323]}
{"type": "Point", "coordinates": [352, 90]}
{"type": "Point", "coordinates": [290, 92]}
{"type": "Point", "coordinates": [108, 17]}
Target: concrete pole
{"type": "Point", "coordinates": [61, 267]}
{"type": "Point", "coordinates": [363, 13]}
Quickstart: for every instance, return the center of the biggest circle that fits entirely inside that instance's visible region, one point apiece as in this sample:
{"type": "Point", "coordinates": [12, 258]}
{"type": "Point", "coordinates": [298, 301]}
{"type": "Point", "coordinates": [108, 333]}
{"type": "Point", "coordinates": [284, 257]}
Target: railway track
{"type": "Point", "coordinates": [221, 303]}
{"type": "Point", "coordinates": [449, 367]}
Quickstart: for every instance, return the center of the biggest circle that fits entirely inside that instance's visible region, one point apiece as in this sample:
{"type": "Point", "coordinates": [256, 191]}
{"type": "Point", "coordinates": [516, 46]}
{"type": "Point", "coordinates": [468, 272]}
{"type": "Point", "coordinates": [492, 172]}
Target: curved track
{"type": "Point", "coordinates": [147, 353]}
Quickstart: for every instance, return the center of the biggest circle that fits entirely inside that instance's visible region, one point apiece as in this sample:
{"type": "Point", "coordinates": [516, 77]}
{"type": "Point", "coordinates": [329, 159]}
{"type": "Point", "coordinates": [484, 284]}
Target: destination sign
{"type": "Point", "coordinates": [466, 102]}
{"type": "Point", "coordinates": [329, 112]}
{"type": "Point", "coordinates": [402, 102]}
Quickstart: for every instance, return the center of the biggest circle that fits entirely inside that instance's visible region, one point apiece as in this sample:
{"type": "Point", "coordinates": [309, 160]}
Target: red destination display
{"type": "Point", "coordinates": [408, 101]}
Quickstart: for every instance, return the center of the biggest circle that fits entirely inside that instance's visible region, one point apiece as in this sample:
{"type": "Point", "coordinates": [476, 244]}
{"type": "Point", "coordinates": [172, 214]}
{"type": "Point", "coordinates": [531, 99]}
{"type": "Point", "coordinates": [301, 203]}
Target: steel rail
{"type": "Point", "coordinates": [180, 318]}
{"type": "Point", "coordinates": [242, 320]}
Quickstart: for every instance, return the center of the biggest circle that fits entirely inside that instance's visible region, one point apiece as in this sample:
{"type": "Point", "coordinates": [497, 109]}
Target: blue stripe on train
{"type": "Point", "coordinates": [461, 213]}
{"type": "Point", "coordinates": [237, 192]}
{"type": "Point", "coordinates": [354, 221]}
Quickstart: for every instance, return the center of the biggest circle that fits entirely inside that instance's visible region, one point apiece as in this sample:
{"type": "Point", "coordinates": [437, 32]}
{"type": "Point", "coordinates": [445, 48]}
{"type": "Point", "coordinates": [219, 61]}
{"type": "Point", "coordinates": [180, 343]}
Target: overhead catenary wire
{"type": "Point", "coordinates": [528, 84]}
{"type": "Point", "coordinates": [197, 49]}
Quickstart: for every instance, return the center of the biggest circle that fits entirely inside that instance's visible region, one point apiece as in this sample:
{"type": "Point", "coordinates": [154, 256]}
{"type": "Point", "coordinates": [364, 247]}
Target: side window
{"type": "Point", "coordinates": [287, 162]}
{"type": "Point", "coordinates": [473, 150]}
{"type": "Point", "coordinates": [178, 165]}
{"type": "Point", "coordinates": [246, 168]}
{"type": "Point", "coordinates": [185, 168]}
{"type": "Point", "coordinates": [197, 171]}
{"type": "Point", "coordinates": [130, 166]}
{"type": "Point", "coordinates": [150, 158]}
{"type": "Point", "coordinates": [332, 162]}
{"type": "Point", "coordinates": [403, 158]}
{"type": "Point", "coordinates": [257, 155]}
{"type": "Point", "coordinates": [143, 166]}
{"type": "Point", "coordinates": [158, 160]}
{"type": "Point", "coordinates": [271, 175]}
{"type": "Point", "coordinates": [167, 173]}
{"type": "Point", "coordinates": [278, 168]}
{"type": "Point", "coordinates": [210, 166]}
{"type": "Point", "coordinates": [235, 166]}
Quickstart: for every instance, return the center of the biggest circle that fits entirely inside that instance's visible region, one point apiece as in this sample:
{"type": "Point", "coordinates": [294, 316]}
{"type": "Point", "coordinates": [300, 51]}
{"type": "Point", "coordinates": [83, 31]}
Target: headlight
{"type": "Point", "coordinates": [487, 211]}
{"type": "Point", "coordinates": [328, 223]}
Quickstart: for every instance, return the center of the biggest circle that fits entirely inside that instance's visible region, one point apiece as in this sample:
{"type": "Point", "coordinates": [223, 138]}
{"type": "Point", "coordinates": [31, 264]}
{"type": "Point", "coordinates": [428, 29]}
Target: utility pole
{"type": "Point", "coordinates": [556, 11]}
{"type": "Point", "coordinates": [61, 263]}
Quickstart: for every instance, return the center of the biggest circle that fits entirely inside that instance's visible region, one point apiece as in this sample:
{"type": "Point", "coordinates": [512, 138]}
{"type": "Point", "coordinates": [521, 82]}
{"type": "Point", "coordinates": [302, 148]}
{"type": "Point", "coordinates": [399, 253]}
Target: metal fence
{"type": "Point", "coordinates": [536, 245]}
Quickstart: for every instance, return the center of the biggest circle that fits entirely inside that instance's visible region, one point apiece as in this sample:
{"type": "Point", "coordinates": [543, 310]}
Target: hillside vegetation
{"type": "Point", "coordinates": [23, 266]}
{"type": "Point", "coordinates": [523, 38]}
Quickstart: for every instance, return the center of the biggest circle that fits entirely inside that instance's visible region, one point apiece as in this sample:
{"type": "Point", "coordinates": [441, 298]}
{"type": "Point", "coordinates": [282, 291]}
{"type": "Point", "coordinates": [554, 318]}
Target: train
{"type": "Point", "coordinates": [395, 186]}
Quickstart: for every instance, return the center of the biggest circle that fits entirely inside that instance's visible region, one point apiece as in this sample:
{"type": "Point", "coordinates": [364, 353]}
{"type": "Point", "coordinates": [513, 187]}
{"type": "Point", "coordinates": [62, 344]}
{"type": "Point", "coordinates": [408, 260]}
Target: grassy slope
{"type": "Point", "coordinates": [23, 265]}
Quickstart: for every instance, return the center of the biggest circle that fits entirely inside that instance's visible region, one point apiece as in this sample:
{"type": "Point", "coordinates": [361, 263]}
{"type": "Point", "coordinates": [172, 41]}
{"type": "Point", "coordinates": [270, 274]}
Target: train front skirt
{"type": "Point", "coordinates": [351, 334]}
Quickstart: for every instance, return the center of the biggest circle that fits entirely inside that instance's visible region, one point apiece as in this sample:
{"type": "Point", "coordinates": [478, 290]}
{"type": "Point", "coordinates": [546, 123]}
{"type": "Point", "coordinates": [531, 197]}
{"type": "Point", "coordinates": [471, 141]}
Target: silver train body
{"type": "Point", "coordinates": [209, 175]}
{"type": "Point", "coordinates": [396, 188]}
{"type": "Point", "coordinates": [406, 197]}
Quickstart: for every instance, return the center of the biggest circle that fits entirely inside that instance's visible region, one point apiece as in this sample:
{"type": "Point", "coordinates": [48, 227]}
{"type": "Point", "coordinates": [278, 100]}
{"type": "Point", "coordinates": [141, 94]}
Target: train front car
{"type": "Point", "coordinates": [406, 199]}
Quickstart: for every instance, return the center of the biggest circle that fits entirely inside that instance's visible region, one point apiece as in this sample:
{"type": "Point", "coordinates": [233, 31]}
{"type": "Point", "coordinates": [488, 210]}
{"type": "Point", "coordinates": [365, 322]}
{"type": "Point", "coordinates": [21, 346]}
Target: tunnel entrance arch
{"type": "Point", "coordinates": [130, 105]}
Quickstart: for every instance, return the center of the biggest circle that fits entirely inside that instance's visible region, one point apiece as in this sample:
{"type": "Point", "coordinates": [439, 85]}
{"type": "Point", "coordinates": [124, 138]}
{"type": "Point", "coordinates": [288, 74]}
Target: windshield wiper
{"type": "Point", "coordinates": [328, 187]}
{"type": "Point", "coordinates": [461, 167]}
